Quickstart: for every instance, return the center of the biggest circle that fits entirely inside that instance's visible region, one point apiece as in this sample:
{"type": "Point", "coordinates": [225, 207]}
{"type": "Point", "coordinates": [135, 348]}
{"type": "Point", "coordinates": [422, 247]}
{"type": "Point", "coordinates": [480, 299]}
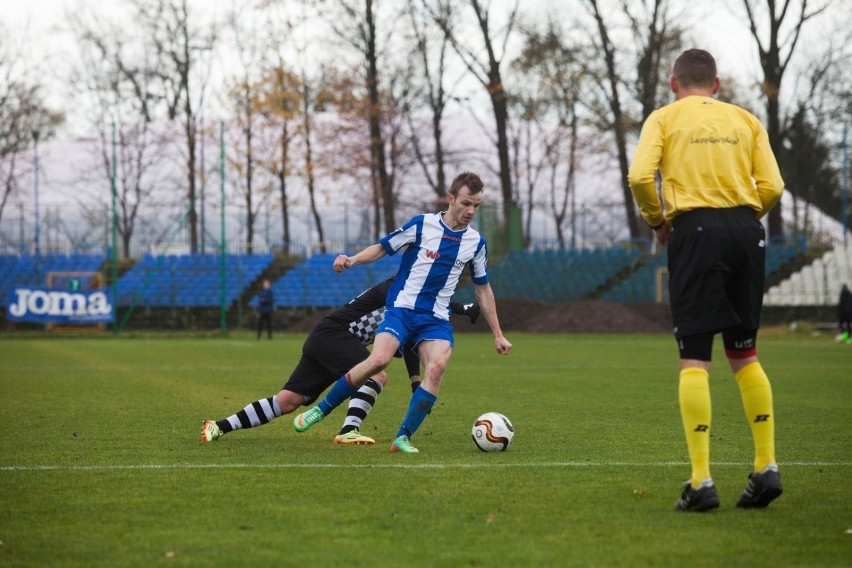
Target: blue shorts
{"type": "Point", "coordinates": [410, 327]}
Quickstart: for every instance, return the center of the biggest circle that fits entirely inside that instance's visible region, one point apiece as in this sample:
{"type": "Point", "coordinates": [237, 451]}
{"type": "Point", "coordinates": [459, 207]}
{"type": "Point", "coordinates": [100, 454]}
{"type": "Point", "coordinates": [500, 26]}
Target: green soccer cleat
{"type": "Point", "coordinates": [354, 438]}
{"type": "Point", "coordinates": [210, 431]}
{"type": "Point", "coordinates": [403, 444]}
{"type": "Point", "coordinates": [307, 419]}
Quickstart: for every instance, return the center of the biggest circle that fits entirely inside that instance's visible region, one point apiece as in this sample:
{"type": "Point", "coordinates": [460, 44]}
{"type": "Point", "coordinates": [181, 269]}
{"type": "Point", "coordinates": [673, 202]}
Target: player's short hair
{"type": "Point", "coordinates": [469, 179]}
{"type": "Point", "coordinates": [695, 68]}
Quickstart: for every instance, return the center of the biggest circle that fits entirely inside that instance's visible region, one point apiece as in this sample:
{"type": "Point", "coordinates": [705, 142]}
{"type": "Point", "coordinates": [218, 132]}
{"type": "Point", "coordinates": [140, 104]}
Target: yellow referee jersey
{"type": "Point", "coordinates": [709, 154]}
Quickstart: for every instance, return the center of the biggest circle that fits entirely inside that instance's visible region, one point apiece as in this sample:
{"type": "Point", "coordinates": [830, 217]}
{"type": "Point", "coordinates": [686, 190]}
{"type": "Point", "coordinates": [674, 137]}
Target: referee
{"type": "Point", "coordinates": [719, 177]}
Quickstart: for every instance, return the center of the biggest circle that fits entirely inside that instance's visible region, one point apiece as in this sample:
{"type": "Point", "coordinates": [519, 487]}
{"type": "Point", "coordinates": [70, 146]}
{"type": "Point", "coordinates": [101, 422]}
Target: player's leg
{"type": "Point", "coordinates": [307, 381]}
{"type": "Point", "coordinates": [764, 483]}
{"type": "Point", "coordinates": [696, 412]}
{"type": "Point", "coordinates": [699, 307]}
{"type": "Point", "coordinates": [255, 414]}
{"type": "Point", "coordinates": [347, 385]}
{"type": "Point", "coordinates": [434, 340]}
{"type": "Point", "coordinates": [360, 405]}
{"type": "Point", "coordinates": [745, 292]}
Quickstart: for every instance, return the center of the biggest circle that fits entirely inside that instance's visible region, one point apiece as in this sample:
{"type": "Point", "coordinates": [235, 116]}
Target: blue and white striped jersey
{"type": "Point", "coordinates": [433, 262]}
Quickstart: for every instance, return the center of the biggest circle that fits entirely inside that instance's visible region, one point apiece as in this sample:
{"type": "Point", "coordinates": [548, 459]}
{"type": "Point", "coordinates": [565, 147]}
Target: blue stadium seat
{"type": "Point", "coordinates": [189, 280]}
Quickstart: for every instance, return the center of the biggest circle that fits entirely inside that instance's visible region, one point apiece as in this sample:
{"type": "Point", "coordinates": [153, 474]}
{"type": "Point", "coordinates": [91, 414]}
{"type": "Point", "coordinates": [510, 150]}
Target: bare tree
{"type": "Point", "coordinates": [126, 144]}
{"type": "Point", "coordinates": [656, 38]}
{"type": "Point", "coordinates": [280, 101]}
{"type": "Point", "coordinates": [244, 99]}
{"type": "Point", "coordinates": [488, 72]}
{"type": "Point", "coordinates": [177, 43]}
{"type": "Point", "coordinates": [279, 104]}
{"type": "Point", "coordinates": [775, 51]}
{"type": "Point", "coordinates": [619, 123]}
{"type": "Point", "coordinates": [359, 28]}
{"type": "Point", "coordinates": [433, 65]}
{"type": "Point", "coordinates": [814, 129]}
{"type": "Point", "coordinates": [311, 98]}
{"type": "Point", "coordinates": [24, 116]}
{"type": "Point", "coordinates": [554, 67]}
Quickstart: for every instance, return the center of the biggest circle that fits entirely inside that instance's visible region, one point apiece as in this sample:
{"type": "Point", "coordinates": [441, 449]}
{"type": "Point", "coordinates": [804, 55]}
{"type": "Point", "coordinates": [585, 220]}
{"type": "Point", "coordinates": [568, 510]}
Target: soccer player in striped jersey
{"type": "Point", "coordinates": [338, 342]}
{"type": "Point", "coordinates": [437, 247]}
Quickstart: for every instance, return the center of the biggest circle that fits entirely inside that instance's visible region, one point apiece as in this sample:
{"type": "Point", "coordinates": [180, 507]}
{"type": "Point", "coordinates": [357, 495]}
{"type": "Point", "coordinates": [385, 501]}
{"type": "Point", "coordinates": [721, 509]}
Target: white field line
{"type": "Point", "coordinates": [566, 464]}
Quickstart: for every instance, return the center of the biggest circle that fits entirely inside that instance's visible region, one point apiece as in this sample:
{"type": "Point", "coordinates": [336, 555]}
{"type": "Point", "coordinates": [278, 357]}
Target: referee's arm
{"type": "Point", "coordinates": [766, 174]}
{"type": "Point", "coordinates": [646, 162]}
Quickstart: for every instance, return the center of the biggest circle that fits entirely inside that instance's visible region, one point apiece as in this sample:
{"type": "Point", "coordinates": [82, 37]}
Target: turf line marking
{"type": "Point", "coordinates": [128, 467]}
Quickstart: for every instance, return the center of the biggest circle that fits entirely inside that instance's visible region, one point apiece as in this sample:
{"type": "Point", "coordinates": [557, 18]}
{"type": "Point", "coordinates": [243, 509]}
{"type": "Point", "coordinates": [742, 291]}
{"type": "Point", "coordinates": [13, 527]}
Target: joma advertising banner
{"type": "Point", "coordinates": [51, 305]}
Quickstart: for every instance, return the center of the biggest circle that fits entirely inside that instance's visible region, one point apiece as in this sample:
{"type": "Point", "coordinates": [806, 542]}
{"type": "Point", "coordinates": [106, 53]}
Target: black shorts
{"type": "Point", "coordinates": [328, 353]}
{"type": "Point", "coordinates": [716, 270]}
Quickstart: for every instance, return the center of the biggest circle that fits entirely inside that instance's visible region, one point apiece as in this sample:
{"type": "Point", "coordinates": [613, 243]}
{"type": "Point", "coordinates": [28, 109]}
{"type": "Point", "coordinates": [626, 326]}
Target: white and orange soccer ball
{"type": "Point", "coordinates": [492, 432]}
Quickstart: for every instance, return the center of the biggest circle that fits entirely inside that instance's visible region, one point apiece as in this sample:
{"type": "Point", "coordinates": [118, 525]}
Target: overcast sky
{"type": "Point", "coordinates": [39, 24]}
{"type": "Point", "coordinates": [724, 34]}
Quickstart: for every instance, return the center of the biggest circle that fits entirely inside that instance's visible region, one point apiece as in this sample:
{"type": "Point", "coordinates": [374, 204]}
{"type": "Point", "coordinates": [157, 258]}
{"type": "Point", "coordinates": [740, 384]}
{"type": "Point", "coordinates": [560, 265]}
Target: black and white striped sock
{"type": "Point", "coordinates": [255, 414]}
{"type": "Point", "coordinates": [360, 405]}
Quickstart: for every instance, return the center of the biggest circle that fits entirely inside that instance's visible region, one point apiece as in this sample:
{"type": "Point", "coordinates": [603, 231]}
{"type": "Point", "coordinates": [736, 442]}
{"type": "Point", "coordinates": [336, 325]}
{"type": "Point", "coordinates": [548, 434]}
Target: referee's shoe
{"type": "Point", "coordinates": [704, 498]}
{"type": "Point", "coordinates": [762, 488]}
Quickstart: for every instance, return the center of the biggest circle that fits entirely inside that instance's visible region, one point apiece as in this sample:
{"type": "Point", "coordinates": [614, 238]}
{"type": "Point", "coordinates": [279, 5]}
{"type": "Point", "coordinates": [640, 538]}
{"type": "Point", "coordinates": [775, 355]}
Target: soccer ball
{"type": "Point", "coordinates": [492, 432]}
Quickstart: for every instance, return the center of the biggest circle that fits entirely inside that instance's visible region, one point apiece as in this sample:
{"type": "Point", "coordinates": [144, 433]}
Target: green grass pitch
{"type": "Point", "coordinates": [101, 463]}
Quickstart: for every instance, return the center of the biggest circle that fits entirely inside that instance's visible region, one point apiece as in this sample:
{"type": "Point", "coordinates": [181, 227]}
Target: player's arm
{"type": "Point", "coordinates": [370, 254]}
{"type": "Point", "coordinates": [488, 308]}
{"type": "Point", "coordinates": [643, 169]}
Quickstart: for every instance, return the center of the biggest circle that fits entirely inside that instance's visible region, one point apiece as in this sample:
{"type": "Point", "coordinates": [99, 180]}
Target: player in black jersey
{"type": "Point", "coordinates": [336, 344]}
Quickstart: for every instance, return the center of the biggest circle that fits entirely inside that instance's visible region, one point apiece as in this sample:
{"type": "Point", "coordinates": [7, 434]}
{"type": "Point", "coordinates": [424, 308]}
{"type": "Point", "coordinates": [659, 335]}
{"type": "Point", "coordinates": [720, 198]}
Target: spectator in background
{"type": "Point", "coordinates": [265, 309]}
{"type": "Point", "coordinates": [844, 315]}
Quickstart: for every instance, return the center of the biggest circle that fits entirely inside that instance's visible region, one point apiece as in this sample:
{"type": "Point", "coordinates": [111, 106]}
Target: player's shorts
{"type": "Point", "coordinates": [716, 270]}
{"type": "Point", "coordinates": [411, 327]}
{"type": "Point", "coordinates": [328, 353]}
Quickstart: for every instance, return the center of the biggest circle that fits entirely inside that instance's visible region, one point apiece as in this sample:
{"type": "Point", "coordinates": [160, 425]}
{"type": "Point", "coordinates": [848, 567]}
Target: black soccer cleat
{"type": "Point", "coordinates": [702, 499]}
{"type": "Point", "coordinates": [762, 489]}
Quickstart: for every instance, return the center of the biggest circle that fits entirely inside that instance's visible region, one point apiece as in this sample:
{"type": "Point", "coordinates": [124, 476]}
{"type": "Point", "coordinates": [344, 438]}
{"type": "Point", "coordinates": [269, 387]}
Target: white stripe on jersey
{"type": "Point", "coordinates": [433, 263]}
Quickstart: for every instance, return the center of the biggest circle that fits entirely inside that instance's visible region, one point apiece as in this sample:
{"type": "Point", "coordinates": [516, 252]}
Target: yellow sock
{"type": "Point", "coordinates": [757, 402]}
{"type": "Point", "coordinates": [694, 398]}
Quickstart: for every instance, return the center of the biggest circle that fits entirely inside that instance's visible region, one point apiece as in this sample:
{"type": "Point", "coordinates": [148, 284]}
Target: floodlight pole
{"type": "Point", "coordinates": [35, 193]}
{"type": "Point", "coordinates": [114, 252]}
{"type": "Point", "coordinates": [223, 324]}
{"type": "Point", "coordinates": [844, 188]}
